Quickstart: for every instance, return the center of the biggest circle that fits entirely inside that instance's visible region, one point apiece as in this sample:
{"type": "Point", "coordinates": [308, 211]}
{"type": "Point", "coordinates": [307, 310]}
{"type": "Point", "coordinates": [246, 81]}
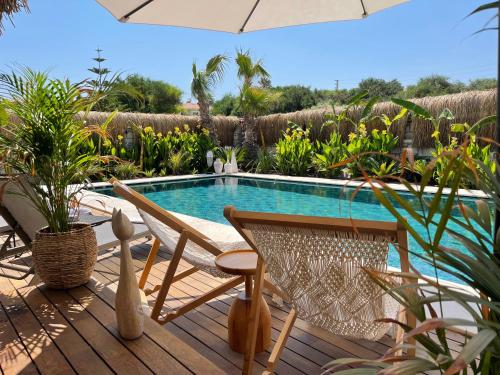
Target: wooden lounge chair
{"type": "Point", "coordinates": [183, 242]}
{"type": "Point", "coordinates": [25, 220]}
{"type": "Point", "coordinates": [317, 263]}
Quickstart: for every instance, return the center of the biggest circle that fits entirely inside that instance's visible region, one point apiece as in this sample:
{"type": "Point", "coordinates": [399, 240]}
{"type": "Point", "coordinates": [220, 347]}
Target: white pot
{"type": "Point", "coordinates": [218, 166]}
{"type": "Point", "coordinates": [234, 163]}
{"type": "Point", "coordinates": [228, 168]}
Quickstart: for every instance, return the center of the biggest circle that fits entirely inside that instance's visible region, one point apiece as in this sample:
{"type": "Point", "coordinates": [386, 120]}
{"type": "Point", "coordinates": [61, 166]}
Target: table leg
{"type": "Point", "coordinates": [238, 322]}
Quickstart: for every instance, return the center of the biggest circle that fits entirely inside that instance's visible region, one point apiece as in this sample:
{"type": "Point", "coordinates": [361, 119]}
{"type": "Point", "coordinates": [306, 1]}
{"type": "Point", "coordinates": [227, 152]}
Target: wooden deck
{"type": "Point", "coordinates": [53, 332]}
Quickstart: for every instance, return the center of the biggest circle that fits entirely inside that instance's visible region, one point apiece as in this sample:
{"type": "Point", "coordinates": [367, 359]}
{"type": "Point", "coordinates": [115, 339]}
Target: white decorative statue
{"type": "Point", "coordinates": [228, 168]}
{"type": "Point", "coordinates": [234, 163]}
{"type": "Point", "coordinates": [130, 302]}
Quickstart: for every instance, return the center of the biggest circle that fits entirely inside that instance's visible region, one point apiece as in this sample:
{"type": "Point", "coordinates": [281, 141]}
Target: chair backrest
{"type": "Point", "coordinates": [19, 208]}
{"type": "Point", "coordinates": [319, 265]}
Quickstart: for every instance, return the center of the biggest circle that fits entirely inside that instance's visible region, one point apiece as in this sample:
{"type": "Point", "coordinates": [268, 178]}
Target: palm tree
{"type": "Point", "coordinates": [9, 7]}
{"type": "Point", "coordinates": [247, 69]}
{"type": "Point", "coordinates": [253, 101]}
{"type": "Point", "coordinates": [201, 88]}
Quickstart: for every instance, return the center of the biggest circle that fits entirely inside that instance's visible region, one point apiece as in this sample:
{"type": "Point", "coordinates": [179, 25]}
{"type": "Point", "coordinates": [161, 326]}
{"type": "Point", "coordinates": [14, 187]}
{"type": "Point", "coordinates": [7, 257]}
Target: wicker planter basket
{"type": "Point", "coordinates": [65, 260]}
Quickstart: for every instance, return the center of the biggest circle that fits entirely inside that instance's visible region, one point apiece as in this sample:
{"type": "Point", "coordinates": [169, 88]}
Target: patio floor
{"type": "Point", "coordinates": [52, 332]}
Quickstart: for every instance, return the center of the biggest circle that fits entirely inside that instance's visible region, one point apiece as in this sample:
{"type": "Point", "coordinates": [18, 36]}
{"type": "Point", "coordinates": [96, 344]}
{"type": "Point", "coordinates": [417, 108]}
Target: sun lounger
{"type": "Point", "coordinates": [24, 220]}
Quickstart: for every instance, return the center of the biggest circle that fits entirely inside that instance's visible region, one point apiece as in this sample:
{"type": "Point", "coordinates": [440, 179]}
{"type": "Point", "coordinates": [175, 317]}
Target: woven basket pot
{"type": "Point", "coordinates": [65, 260]}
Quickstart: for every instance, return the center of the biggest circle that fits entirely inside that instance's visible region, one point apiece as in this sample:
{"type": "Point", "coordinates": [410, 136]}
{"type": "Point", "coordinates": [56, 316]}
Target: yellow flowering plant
{"type": "Point", "coordinates": [470, 144]}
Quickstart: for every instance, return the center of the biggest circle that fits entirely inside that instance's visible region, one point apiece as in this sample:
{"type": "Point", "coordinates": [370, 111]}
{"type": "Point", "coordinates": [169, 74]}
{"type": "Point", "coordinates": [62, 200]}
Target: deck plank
{"type": "Point", "coordinates": [42, 350]}
{"type": "Point", "coordinates": [13, 355]}
{"type": "Point", "coordinates": [80, 326]}
{"type": "Point", "coordinates": [117, 356]}
{"type": "Point", "coordinates": [201, 332]}
{"type": "Point", "coordinates": [77, 351]}
{"type": "Point", "coordinates": [150, 354]}
{"type": "Point", "coordinates": [175, 344]}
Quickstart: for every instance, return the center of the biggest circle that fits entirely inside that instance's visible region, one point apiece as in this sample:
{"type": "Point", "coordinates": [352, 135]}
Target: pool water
{"type": "Point", "coordinates": [206, 198]}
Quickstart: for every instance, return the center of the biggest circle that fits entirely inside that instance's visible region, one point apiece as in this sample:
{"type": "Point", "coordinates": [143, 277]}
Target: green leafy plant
{"type": "Point", "coordinates": [165, 146]}
{"type": "Point", "coordinates": [4, 116]}
{"type": "Point", "coordinates": [294, 152]}
{"type": "Point", "coordinates": [362, 148]}
{"type": "Point", "coordinates": [383, 169]}
{"type": "Point", "coordinates": [478, 268]}
{"type": "Point", "coordinates": [329, 154]}
{"type": "Point", "coordinates": [226, 154]}
{"type": "Point", "coordinates": [265, 161]}
{"type": "Point", "coordinates": [126, 170]}
{"type": "Point", "coordinates": [179, 163]}
{"type": "Point", "coordinates": [472, 149]}
{"type": "Point", "coordinates": [150, 173]}
{"type": "Point", "coordinates": [44, 147]}
{"type": "Point", "coordinates": [148, 148]}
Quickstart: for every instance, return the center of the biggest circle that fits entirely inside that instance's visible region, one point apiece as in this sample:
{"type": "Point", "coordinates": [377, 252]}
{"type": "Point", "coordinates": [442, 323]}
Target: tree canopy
{"type": "Point", "coordinates": [380, 88]}
{"type": "Point", "coordinates": [297, 97]}
{"type": "Point", "coordinates": [227, 106]}
{"type": "Point", "coordinates": [432, 86]}
{"type": "Point", "coordinates": [292, 98]}
{"type": "Point", "coordinates": [157, 96]}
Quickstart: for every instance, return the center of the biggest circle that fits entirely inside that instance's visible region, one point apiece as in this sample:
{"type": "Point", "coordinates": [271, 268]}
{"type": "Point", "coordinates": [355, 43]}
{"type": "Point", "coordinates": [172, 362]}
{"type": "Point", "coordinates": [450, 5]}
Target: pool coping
{"type": "Point", "coordinates": [469, 193]}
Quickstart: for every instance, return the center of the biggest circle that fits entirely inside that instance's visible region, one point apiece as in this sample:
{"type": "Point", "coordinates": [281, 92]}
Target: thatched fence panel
{"type": "Point", "coordinates": [468, 107]}
{"type": "Point", "coordinates": [272, 126]}
{"type": "Point", "coordinates": [163, 123]}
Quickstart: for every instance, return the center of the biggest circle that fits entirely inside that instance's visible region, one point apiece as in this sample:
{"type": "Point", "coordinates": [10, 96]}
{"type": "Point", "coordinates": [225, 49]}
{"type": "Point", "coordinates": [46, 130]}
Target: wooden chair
{"type": "Point", "coordinates": [317, 264]}
{"type": "Point", "coordinates": [184, 242]}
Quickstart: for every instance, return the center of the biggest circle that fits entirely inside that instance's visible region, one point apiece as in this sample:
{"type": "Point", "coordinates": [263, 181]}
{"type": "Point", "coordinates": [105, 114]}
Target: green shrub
{"type": "Point", "coordinates": [329, 154]}
{"type": "Point", "coordinates": [471, 148]}
{"type": "Point", "coordinates": [126, 170]}
{"type": "Point", "coordinates": [265, 161]}
{"type": "Point", "coordinates": [150, 173]}
{"type": "Point", "coordinates": [179, 163]}
{"type": "Point", "coordinates": [149, 149]}
{"type": "Point", "coordinates": [294, 153]}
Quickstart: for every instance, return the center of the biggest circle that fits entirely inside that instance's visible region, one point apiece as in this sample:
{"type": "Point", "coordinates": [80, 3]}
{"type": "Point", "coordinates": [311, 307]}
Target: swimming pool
{"type": "Point", "coordinates": [206, 197]}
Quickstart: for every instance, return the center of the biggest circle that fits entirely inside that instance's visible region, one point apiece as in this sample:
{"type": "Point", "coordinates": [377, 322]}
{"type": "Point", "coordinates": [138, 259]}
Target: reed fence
{"type": "Point", "coordinates": [467, 107]}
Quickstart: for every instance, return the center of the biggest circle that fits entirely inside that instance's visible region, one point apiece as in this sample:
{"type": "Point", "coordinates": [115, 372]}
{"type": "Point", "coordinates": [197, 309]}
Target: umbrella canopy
{"type": "Point", "coordinates": [237, 16]}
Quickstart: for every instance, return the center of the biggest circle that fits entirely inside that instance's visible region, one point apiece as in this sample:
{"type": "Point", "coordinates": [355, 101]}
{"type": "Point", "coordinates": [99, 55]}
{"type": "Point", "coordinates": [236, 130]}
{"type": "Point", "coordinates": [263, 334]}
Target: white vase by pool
{"type": "Point", "coordinates": [228, 168]}
{"type": "Point", "coordinates": [234, 163]}
{"type": "Point", "coordinates": [218, 166]}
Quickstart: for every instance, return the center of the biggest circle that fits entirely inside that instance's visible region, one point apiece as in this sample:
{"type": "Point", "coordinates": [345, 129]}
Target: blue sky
{"type": "Point", "coordinates": [415, 39]}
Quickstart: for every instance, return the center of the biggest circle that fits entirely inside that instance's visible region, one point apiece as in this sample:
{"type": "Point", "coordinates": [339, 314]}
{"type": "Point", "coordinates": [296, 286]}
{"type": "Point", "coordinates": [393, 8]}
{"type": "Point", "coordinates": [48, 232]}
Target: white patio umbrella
{"type": "Point", "coordinates": [238, 16]}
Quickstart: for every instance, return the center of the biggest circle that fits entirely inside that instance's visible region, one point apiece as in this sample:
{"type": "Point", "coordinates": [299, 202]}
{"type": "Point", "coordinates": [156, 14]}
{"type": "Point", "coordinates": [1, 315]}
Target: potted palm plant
{"type": "Point", "coordinates": [42, 151]}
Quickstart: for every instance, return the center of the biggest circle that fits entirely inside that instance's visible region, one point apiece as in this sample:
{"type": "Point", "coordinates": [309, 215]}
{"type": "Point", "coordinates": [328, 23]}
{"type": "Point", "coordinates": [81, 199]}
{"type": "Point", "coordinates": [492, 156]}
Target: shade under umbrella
{"type": "Point", "coordinates": [237, 16]}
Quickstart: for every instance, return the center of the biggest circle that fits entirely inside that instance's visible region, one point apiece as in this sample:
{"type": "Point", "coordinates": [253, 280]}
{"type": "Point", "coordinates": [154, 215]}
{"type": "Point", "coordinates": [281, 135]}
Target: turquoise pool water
{"type": "Point", "coordinates": [206, 197]}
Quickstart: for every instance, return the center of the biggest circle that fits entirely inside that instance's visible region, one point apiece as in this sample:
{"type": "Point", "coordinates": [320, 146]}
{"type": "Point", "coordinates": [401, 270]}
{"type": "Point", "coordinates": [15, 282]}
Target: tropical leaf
{"type": "Point", "coordinates": [414, 108]}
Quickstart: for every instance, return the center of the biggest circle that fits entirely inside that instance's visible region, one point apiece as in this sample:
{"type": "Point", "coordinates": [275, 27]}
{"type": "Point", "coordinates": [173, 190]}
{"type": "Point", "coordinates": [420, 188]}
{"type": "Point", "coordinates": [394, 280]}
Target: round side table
{"type": "Point", "coordinates": [244, 263]}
